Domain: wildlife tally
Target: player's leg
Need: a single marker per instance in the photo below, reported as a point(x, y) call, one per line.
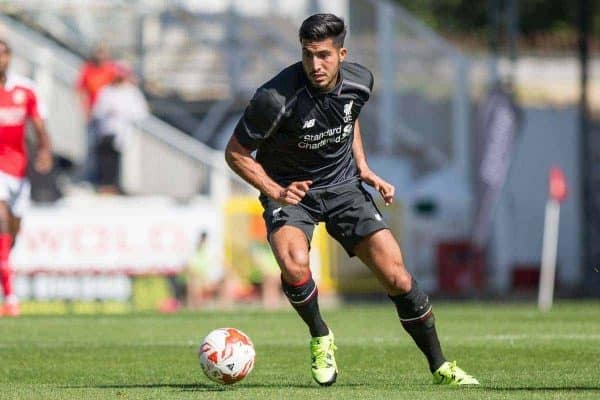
point(11, 303)
point(291, 249)
point(355, 222)
point(289, 231)
point(14, 200)
point(6, 278)
point(381, 253)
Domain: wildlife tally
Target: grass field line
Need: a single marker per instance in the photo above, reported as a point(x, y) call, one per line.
point(371, 341)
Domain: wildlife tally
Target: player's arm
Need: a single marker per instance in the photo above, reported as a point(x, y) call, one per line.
point(240, 160)
point(261, 120)
point(43, 160)
point(366, 175)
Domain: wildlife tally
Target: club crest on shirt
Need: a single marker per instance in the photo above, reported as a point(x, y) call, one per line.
point(348, 111)
point(18, 96)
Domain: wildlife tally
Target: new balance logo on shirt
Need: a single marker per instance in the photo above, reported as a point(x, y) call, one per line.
point(309, 124)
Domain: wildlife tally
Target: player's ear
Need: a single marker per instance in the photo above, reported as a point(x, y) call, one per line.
point(343, 53)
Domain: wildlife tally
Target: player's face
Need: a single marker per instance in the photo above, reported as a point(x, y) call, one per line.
point(4, 59)
point(321, 62)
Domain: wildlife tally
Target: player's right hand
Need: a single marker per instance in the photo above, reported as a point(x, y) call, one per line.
point(294, 193)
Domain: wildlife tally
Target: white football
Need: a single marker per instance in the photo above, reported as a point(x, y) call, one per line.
point(227, 355)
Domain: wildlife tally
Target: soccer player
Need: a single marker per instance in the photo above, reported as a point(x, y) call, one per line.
point(18, 103)
point(310, 167)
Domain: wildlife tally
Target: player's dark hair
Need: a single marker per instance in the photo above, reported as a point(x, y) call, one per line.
point(319, 27)
point(6, 45)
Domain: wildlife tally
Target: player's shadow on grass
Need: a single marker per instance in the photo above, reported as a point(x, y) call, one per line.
point(275, 386)
point(207, 387)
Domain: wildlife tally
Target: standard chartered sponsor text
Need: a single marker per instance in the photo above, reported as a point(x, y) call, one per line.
point(331, 135)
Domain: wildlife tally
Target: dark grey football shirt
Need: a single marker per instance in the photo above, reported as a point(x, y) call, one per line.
point(302, 134)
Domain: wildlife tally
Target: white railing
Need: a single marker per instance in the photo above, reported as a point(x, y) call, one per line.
point(160, 159)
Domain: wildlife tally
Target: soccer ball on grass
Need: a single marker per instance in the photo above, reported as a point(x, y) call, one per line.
point(226, 355)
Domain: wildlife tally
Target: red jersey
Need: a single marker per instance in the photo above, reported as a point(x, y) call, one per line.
point(94, 77)
point(18, 103)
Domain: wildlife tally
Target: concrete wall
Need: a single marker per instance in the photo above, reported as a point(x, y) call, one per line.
point(549, 137)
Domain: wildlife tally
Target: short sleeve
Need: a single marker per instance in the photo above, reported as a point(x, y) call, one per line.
point(261, 118)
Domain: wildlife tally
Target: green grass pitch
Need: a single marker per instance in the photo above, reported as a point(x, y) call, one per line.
point(514, 350)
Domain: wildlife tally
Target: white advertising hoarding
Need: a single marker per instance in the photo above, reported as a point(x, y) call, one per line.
point(114, 236)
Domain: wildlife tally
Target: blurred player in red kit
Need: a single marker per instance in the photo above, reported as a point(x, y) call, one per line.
point(18, 104)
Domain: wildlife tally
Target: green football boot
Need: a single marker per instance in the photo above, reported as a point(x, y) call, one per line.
point(450, 374)
point(324, 368)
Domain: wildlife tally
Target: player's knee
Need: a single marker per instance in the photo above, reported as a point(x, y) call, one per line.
point(295, 265)
point(400, 282)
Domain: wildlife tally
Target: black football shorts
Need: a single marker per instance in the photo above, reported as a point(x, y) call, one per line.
point(347, 209)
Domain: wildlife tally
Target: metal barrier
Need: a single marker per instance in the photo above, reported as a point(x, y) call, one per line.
point(160, 158)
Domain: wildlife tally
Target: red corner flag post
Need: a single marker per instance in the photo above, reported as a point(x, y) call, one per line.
point(557, 193)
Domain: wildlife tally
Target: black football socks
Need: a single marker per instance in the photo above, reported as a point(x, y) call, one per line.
point(417, 319)
point(304, 298)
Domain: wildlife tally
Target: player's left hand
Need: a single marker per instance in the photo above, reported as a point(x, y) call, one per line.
point(43, 161)
point(385, 189)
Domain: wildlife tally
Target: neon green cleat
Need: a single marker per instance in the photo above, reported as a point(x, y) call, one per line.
point(324, 368)
point(450, 374)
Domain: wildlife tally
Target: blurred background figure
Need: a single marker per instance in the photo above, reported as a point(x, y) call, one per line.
point(178, 286)
point(19, 104)
point(98, 71)
point(118, 106)
point(265, 274)
point(205, 276)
